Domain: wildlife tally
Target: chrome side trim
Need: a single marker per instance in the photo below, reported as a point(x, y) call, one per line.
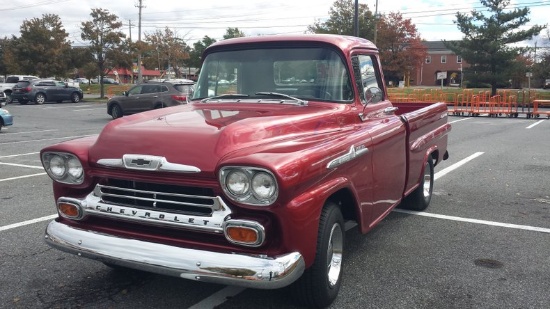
point(354, 152)
point(223, 268)
point(148, 163)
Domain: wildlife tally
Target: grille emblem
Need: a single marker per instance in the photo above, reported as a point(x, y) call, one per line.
point(142, 162)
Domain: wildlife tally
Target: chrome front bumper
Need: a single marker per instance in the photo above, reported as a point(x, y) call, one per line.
point(222, 268)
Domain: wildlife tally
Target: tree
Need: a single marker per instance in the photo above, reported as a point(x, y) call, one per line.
point(233, 33)
point(8, 63)
point(43, 47)
point(340, 20)
point(195, 59)
point(400, 46)
point(105, 39)
point(166, 50)
point(487, 40)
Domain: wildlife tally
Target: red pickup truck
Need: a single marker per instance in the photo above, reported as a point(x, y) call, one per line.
point(285, 139)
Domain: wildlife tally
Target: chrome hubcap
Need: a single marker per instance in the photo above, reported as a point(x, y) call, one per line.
point(334, 254)
point(427, 181)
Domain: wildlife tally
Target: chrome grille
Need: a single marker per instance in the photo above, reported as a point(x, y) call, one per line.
point(172, 198)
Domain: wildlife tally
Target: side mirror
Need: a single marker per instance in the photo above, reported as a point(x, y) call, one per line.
point(66, 85)
point(373, 95)
point(125, 93)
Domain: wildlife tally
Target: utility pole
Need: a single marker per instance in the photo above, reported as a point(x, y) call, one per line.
point(130, 28)
point(356, 19)
point(375, 21)
point(140, 77)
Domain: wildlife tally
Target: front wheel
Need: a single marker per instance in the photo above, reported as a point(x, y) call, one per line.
point(75, 97)
point(40, 98)
point(116, 111)
point(319, 285)
point(420, 198)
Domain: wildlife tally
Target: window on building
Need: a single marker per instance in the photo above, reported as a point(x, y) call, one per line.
point(428, 59)
point(458, 59)
point(444, 59)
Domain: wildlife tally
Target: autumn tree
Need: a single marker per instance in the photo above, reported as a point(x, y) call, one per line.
point(42, 48)
point(166, 50)
point(488, 38)
point(195, 59)
point(8, 62)
point(105, 39)
point(233, 33)
point(340, 21)
point(400, 46)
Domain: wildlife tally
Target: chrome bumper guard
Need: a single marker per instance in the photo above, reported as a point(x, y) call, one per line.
point(223, 268)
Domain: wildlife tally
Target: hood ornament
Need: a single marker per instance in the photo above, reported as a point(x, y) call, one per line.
point(148, 163)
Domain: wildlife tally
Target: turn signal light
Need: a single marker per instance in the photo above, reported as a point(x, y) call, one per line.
point(242, 234)
point(68, 210)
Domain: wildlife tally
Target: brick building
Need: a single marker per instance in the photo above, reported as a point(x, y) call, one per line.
point(440, 59)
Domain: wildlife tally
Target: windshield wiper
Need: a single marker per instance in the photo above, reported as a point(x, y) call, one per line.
point(225, 96)
point(286, 96)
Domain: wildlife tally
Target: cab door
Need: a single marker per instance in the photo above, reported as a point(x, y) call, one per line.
point(388, 137)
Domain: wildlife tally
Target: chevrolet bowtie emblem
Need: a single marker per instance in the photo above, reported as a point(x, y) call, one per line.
point(141, 162)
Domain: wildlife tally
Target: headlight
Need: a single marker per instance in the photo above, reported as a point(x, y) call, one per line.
point(249, 185)
point(63, 167)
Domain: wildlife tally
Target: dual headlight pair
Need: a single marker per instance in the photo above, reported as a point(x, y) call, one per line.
point(247, 185)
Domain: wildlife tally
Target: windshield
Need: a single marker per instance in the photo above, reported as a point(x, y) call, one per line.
point(304, 73)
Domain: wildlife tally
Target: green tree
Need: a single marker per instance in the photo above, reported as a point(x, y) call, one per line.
point(165, 50)
point(487, 40)
point(195, 58)
point(233, 33)
point(43, 47)
point(8, 63)
point(340, 20)
point(105, 40)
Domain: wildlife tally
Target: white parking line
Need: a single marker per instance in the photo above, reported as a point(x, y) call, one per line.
point(46, 139)
point(536, 123)
point(21, 177)
point(19, 155)
point(40, 131)
point(459, 120)
point(485, 222)
point(458, 164)
point(12, 226)
point(218, 298)
point(22, 165)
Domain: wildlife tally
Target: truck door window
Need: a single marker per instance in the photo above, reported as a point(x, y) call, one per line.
point(367, 72)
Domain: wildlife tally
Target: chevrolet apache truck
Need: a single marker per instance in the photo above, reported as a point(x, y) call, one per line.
point(285, 139)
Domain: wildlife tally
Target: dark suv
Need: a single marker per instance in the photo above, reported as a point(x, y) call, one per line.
point(40, 91)
point(149, 96)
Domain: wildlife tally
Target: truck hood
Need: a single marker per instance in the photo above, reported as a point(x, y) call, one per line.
point(200, 135)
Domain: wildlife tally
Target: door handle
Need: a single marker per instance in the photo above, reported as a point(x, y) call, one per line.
point(390, 110)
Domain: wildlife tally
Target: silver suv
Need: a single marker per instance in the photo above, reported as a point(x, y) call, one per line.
point(148, 96)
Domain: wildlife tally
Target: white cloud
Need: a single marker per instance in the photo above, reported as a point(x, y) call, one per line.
point(194, 19)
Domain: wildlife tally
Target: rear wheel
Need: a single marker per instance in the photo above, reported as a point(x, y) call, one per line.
point(40, 98)
point(420, 198)
point(319, 285)
point(8, 98)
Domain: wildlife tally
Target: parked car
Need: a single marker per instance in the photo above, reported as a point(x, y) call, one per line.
point(546, 84)
point(107, 80)
point(11, 80)
point(82, 80)
point(40, 91)
point(2, 98)
point(6, 119)
point(149, 96)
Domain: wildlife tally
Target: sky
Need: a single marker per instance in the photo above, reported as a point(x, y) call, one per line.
point(192, 20)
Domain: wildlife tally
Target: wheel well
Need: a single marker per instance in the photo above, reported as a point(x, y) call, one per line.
point(345, 200)
point(7, 92)
point(435, 157)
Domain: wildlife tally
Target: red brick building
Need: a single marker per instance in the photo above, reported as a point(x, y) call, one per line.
point(440, 59)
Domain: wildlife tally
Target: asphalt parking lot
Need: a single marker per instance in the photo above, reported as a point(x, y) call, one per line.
point(484, 242)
